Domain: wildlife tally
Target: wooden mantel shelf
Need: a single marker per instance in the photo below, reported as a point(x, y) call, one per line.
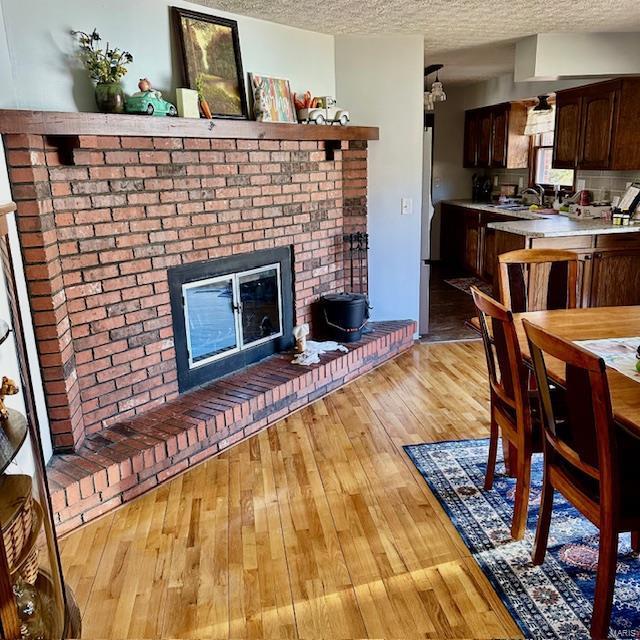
point(57, 123)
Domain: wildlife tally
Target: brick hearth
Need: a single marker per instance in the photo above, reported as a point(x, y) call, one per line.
point(131, 457)
point(102, 217)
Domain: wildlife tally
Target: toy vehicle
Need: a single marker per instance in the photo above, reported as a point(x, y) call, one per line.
point(151, 103)
point(326, 113)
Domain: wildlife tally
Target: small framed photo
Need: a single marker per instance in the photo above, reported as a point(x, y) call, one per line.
point(272, 99)
point(210, 50)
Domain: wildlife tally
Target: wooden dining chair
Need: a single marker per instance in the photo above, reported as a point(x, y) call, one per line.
point(588, 458)
point(538, 279)
point(510, 406)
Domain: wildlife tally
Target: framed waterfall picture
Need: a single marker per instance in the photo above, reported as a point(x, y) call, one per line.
point(211, 61)
point(272, 99)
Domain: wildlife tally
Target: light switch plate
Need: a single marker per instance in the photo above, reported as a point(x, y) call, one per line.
point(406, 206)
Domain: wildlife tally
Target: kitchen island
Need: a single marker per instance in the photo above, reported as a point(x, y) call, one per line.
point(608, 256)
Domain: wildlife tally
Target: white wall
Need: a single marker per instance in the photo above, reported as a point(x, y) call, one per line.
point(380, 80)
point(46, 75)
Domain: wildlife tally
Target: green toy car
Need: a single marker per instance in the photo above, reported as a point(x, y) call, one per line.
point(151, 103)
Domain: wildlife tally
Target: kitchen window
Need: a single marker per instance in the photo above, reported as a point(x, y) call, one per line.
point(542, 172)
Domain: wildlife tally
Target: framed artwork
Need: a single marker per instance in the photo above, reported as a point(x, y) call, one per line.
point(272, 99)
point(210, 51)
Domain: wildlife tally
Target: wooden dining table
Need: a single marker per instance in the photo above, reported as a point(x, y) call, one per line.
point(595, 323)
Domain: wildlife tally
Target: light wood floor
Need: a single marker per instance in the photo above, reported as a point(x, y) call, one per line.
point(318, 527)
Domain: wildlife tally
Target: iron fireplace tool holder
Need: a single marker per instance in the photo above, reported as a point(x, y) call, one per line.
point(358, 247)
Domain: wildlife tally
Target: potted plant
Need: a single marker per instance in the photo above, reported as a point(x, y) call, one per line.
point(107, 67)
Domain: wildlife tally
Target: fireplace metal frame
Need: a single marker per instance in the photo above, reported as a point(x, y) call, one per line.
point(189, 376)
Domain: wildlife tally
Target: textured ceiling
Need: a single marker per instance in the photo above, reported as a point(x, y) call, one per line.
point(462, 34)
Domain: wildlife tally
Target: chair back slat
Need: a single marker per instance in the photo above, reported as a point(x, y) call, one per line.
point(502, 357)
point(558, 286)
point(538, 279)
point(504, 360)
point(516, 295)
point(584, 435)
point(581, 432)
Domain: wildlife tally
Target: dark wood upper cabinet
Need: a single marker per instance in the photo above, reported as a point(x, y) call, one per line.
point(494, 137)
point(625, 152)
point(500, 135)
point(596, 129)
point(598, 126)
point(567, 129)
point(485, 121)
point(470, 138)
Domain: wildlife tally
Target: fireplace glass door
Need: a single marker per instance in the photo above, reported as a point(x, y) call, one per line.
point(259, 292)
point(210, 319)
point(226, 314)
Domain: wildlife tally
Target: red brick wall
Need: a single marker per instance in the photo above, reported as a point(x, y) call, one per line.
point(102, 219)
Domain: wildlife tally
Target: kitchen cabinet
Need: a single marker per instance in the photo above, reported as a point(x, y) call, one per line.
point(509, 145)
point(477, 138)
point(471, 258)
point(494, 137)
point(489, 248)
point(615, 278)
point(608, 264)
point(499, 135)
point(598, 126)
point(470, 139)
point(468, 245)
point(461, 238)
point(485, 122)
point(567, 129)
point(584, 278)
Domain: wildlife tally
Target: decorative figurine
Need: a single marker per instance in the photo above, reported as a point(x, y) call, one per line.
point(320, 110)
point(149, 101)
point(8, 388)
point(261, 104)
point(300, 334)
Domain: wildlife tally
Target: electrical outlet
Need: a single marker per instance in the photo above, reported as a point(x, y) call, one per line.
point(581, 185)
point(406, 206)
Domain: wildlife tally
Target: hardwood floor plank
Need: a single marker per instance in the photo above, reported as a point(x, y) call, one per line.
point(319, 526)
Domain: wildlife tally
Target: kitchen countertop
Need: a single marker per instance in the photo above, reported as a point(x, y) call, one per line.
point(481, 206)
point(534, 225)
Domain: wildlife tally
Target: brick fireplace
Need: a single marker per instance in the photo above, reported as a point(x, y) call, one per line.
point(104, 216)
point(101, 224)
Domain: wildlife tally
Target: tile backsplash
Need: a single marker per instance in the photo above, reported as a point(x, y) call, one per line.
point(604, 185)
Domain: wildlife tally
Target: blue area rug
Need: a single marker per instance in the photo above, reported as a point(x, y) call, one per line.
point(550, 601)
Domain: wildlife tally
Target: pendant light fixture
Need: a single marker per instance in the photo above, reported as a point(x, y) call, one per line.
point(543, 104)
point(436, 92)
point(541, 118)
